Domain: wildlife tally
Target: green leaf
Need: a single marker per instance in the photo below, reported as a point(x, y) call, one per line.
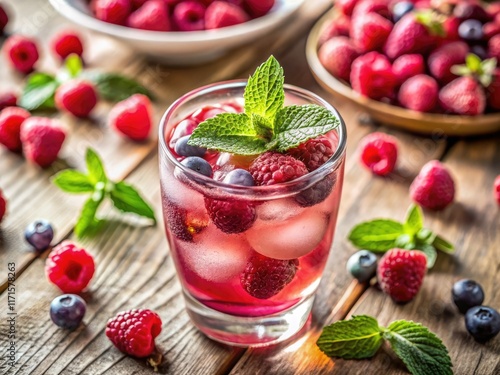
point(442, 245)
point(414, 220)
point(430, 252)
point(473, 62)
point(95, 167)
point(264, 94)
point(359, 337)
point(296, 124)
point(127, 199)
point(73, 67)
point(39, 92)
point(422, 351)
point(377, 235)
point(263, 128)
point(115, 87)
point(405, 241)
point(87, 219)
point(229, 132)
point(425, 235)
point(73, 181)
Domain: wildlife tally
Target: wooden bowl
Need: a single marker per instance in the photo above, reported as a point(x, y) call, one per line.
point(427, 123)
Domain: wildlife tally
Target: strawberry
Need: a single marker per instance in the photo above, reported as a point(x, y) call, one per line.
point(493, 91)
point(372, 76)
point(337, 55)
point(463, 96)
point(407, 66)
point(450, 26)
point(132, 117)
point(42, 139)
point(400, 273)
point(443, 58)
point(369, 32)
point(419, 93)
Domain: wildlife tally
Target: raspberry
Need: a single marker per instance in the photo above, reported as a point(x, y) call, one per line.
point(400, 273)
point(257, 8)
point(337, 55)
point(231, 216)
point(372, 76)
point(339, 26)
point(181, 223)
point(433, 188)
point(463, 96)
point(3, 206)
point(4, 19)
point(134, 331)
point(42, 139)
point(153, 15)
point(189, 16)
point(443, 58)
point(313, 153)
point(379, 153)
point(132, 117)
point(491, 29)
point(370, 31)
point(419, 93)
point(346, 6)
point(494, 47)
point(112, 11)
point(69, 267)
point(364, 7)
point(272, 168)
point(496, 190)
point(265, 277)
point(22, 53)
point(316, 193)
point(78, 97)
point(11, 119)
point(220, 14)
point(66, 43)
point(7, 99)
point(407, 66)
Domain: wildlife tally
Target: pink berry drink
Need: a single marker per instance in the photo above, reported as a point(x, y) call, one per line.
point(249, 257)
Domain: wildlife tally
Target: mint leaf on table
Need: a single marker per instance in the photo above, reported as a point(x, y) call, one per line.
point(430, 252)
point(116, 87)
point(442, 245)
point(414, 220)
point(73, 181)
point(72, 68)
point(87, 218)
point(127, 199)
point(378, 235)
point(39, 92)
point(95, 168)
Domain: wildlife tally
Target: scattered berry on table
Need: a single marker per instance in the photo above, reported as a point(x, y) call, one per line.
point(69, 267)
point(239, 176)
point(482, 322)
point(112, 11)
point(153, 16)
point(257, 8)
point(42, 139)
point(419, 93)
point(337, 55)
point(313, 153)
point(199, 165)
point(463, 96)
point(272, 168)
point(4, 19)
point(433, 188)
point(362, 265)
point(189, 16)
point(11, 119)
point(67, 311)
point(407, 66)
point(39, 234)
point(133, 332)
point(21, 52)
point(466, 294)
point(7, 99)
point(3, 206)
point(220, 14)
point(471, 30)
point(67, 42)
point(132, 117)
point(77, 97)
point(400, 273)
point(372, 76)
point(400, 9)
point(443, 58)
point(379, 153)
point(183, 149)
point(369, 32)
point(265, 277)
point(496, 189)
point(231, 215)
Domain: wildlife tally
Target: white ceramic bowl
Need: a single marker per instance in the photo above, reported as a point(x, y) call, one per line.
point(180, 48)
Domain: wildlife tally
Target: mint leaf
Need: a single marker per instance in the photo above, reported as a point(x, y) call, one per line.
point(264, 94)
point(296, 124)
point(405, 241)
point(262, 126)
point(39, 92)
point(430, 252)
point(425, 235)
point(115, 87)
point(73, 181)
point(72, 68)
point(376, 235)
point(127, 199)
point(87, 218)
point(359, 337)
point(95, 167)
point(441, 244)
point(414, 220)
point(229, 132)
point(422, 351)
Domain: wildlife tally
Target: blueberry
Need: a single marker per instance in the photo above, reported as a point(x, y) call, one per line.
point(199, 165)
point(466, 294)
point(479, 51)
point(362, 265)
point(182, 148)
point(239, 177)
point(67, 311)
point(39, 234)
point(400, 9)
point(471, 30)
point(482, 322)
point(316, 193)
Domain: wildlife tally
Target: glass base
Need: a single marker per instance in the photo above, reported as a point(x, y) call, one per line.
point(248, 331)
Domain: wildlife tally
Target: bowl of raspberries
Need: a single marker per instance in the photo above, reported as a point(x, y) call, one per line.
point(180, 32)
point(428, 66)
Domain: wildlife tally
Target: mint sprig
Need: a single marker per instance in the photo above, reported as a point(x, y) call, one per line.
point(381, 235)
point(265, 124)
point(124, 196)
point(421, 350)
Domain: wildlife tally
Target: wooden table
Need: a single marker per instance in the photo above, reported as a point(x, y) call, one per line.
point(134, 268)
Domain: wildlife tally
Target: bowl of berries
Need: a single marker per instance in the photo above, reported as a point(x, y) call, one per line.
point(424, 66)
point(180, 32)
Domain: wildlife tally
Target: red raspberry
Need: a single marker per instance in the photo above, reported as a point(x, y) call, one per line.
point(11, 119)
point(433, 187)
point(463, 96)
point(231, 216)
point(272, 168)
point(136, 4)
point(42, 139)
point(7, 99)
point(494, 47)
point(491, 29)
point(496, 191)
point(494, 91)
point(407, 66)
point(220, 14)
point(134, 331)
point(400, 273)
point(363, 7)
point(4, 19)
point(189, 16)
point(3, 206)
point(372, 76)
point(258, 8)
point(338, 26)
point(22, 53)
point(69, 267)
point(265, 277)
point(419, 93)
point(132, 117)
point(443, 58)
point(78, 97)
point(153, 15)
point(346, 6)
point(182, 223)
point(337, 55)
point(66, 43)
point(450, 26)
point(313, 153)
point(370, 31)
point(379, 153)
point(112, 11)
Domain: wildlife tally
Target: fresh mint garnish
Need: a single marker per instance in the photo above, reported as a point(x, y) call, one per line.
point(124, 196)
point(266, 124)
point(421, 350)
point(39, 91)
point(381, 235)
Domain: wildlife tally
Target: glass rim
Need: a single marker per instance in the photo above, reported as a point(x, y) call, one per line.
point(310, 178)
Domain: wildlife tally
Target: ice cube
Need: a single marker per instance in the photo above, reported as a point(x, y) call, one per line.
point(180, 193)
point(278, 210)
